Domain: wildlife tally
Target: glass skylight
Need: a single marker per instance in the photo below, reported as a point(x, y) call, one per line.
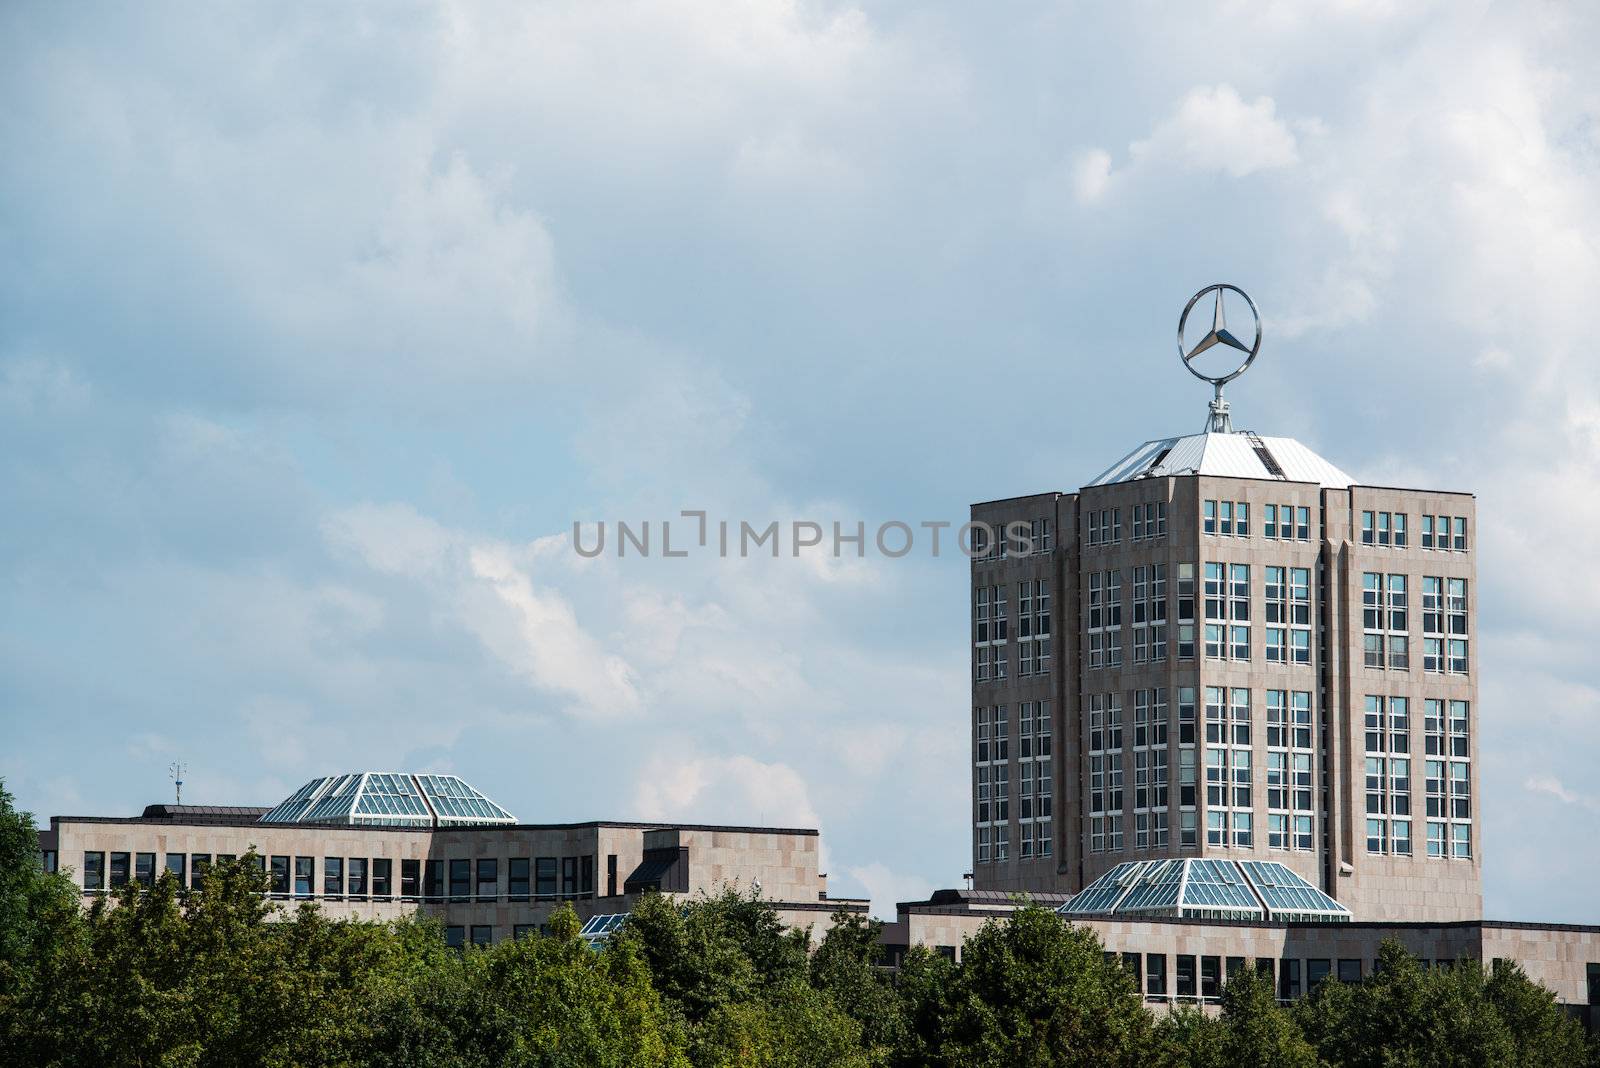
point(599, 928)
point(384, 798)
point(1205, 889)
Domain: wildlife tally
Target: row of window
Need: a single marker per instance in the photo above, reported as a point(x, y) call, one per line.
point(1009, 543)
point(1386, 623)
point(1231, 519)
point(482, 934)
point(527, 878)
point(993, 732)
point(991, 630)
point(1202, 977)
point(1103, 526)
point(1438, 532)
point(1035, 800)
point(1035, 839)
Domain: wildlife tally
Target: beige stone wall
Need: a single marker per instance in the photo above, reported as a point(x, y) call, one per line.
point(1374, 887)
point(784, 862)
point(785, 865)
point(1380, 887)
point(1556, 956)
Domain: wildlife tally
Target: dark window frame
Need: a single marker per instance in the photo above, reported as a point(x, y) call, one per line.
point(1155, 972)
point(94, 870)
point(519, 878)
point(1186, 976)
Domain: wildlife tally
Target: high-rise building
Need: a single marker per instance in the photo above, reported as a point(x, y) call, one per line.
point(1224, 646)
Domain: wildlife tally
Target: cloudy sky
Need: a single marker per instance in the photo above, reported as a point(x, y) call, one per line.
point(320, 325)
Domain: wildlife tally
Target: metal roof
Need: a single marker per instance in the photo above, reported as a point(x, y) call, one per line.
point(386, 798)
point(1205, 889)
point(1238, 455)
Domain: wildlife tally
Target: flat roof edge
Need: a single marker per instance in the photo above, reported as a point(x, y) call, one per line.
point(808, 832)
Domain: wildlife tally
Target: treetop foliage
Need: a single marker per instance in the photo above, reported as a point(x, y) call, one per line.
point(223, 976)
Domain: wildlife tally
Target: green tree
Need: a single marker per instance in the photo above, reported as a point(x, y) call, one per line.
point(1544, 1035)
point(42, 929)
point(1257, 1033)
point(845, 967)
point(793, 1026)
point(1033, 990)
point(550, 1001)
point(1188, 1038)
point(924, 985)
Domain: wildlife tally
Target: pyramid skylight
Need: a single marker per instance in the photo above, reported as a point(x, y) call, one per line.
point(1194, 888)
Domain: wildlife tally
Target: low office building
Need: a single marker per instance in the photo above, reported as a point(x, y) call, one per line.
point(1186, 959)
point(381, 845)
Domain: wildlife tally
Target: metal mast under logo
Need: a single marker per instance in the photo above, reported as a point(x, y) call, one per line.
point(1219, 421)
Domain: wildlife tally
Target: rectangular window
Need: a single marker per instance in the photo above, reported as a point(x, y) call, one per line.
point(482, 934)
point(280, 875)
point(544, 870)
point(1288, 980)
point(382, 877)
point(460, 879)
point(488, 878)
point(304, 871)
point(199, 864)
point(333, 876)
point(1427, 532)
point(1210, 977)
point(410, 887)
point(433, 880)
point(1155, 975)
point(518, 873)
point(1316, 972)
point(357, 882)
point(94, 870)
point(569, 876)
point(119, 870)
point(1367, 527)
point(1350, 971)
point(455, 937)
point(1186, 975)
point(144, 869)
point(1459, 544)
point(178, 865)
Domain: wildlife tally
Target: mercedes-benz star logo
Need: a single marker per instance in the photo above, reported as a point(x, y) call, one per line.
point(1219, 334)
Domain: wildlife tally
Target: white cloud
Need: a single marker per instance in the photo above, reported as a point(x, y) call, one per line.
point(1549, 784)
point(737, 789)
point(886, 888)
point(1215, 129)
point(35, 385)
point(1092, 174)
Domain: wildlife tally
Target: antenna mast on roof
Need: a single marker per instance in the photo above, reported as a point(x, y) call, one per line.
point(176, 770)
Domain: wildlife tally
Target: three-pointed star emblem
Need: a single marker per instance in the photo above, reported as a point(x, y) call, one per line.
point(1219, 334)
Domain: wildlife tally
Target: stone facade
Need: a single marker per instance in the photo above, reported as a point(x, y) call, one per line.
point(588, 865)
point(1564, 958)
point(1085, 841)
